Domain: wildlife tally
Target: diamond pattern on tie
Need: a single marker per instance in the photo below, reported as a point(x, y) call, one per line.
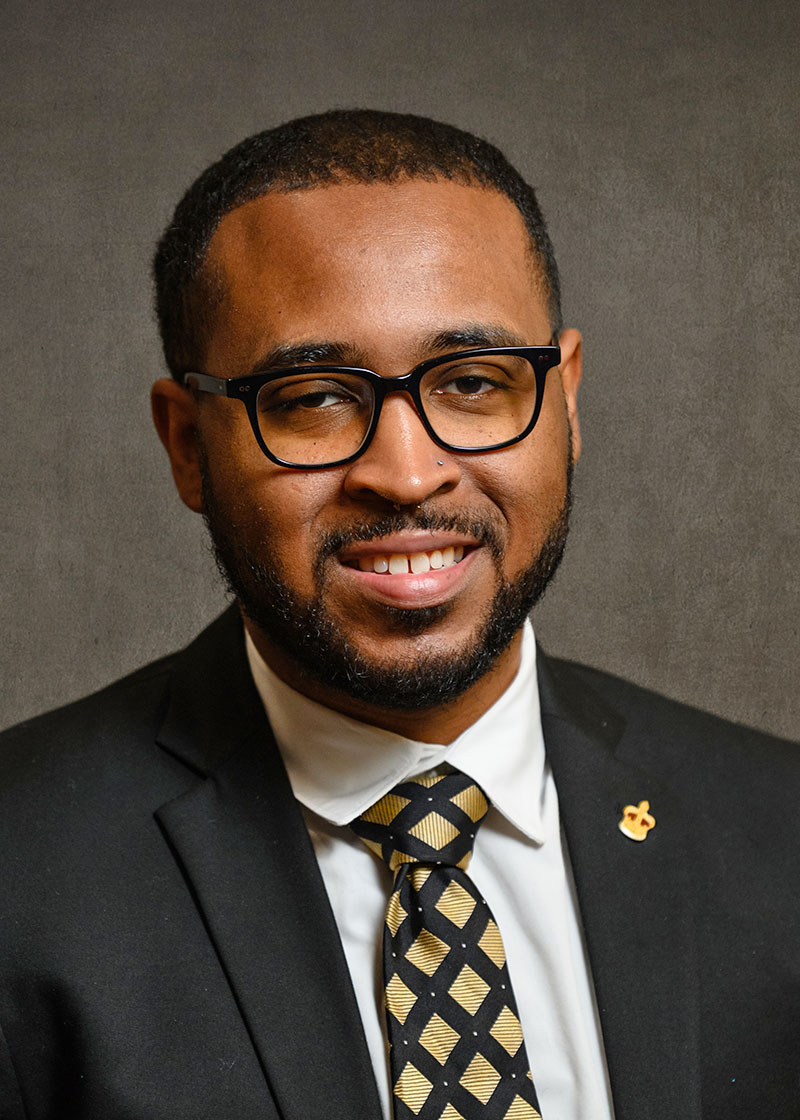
point(480, 1078)
point(427, 952)
point(456, 1046)
point(507, 1031)
point(456, 904)
point(413, 1087)
point(521, 1110)
point(399, 998)
point(395, 914)
point(469, 990)
point(385, 810)
point(466, 800)
point(492, 944)
point(439, 1039)
point(435, 831)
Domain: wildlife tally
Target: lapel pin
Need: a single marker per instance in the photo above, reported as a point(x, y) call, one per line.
point(637, 821)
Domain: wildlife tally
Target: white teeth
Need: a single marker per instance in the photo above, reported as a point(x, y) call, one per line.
point(400, 563)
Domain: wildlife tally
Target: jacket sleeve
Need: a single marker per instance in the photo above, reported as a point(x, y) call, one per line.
point(11, 1106)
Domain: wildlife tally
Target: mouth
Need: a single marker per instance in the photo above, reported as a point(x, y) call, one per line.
point(411, 569)
point(403, 563)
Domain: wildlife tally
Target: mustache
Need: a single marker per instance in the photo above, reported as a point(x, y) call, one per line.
point(465, 522)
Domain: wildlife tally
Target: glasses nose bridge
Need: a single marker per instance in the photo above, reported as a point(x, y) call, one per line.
point(405, 383)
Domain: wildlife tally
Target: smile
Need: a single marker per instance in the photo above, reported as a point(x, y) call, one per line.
point(412, 570)
point(417, 563)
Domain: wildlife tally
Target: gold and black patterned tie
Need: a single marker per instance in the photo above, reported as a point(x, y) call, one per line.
point(457, 1051)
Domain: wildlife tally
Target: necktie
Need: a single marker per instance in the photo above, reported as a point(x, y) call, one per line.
point(456, 1046)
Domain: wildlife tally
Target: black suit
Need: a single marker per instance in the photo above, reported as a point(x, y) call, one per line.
point(167, 950)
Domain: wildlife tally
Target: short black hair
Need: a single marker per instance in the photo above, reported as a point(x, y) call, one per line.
point(343, 145)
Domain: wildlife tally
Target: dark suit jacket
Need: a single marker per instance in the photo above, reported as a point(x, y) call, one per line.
point(167, 951)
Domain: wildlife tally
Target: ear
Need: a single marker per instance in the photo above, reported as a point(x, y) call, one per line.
point(175, 417)
point(571, 365)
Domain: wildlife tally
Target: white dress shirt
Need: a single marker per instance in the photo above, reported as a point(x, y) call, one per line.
point(339, 766)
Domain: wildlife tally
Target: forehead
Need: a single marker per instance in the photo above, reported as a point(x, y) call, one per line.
point(350, 258)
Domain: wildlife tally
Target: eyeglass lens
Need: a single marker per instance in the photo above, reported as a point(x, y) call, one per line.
point(315, 418)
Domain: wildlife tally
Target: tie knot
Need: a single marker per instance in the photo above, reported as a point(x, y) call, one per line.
point(428, 819)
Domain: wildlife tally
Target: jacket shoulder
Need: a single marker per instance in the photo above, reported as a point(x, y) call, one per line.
point(688, 747)
point(111, 741)
point(128, 709)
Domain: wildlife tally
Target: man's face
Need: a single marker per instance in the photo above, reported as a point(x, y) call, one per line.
point(383, 276)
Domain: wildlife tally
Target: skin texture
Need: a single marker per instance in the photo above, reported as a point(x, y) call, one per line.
point(379, 271)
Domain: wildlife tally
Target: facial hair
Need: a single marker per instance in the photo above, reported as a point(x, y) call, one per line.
point(305, 632)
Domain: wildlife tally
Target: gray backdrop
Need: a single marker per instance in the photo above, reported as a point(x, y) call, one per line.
point(663, 140)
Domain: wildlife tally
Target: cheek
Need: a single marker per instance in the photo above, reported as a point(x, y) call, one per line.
point(296, 502)
point(274, 515)
point(528, 484)
point(281, 512)
point(549, 451)
point(261, 500)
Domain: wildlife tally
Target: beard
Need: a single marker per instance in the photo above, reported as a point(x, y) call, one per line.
point(304, 630)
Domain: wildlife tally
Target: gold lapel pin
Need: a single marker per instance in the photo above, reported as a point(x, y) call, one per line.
point(637, 820)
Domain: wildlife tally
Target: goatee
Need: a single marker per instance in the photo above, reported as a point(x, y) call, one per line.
point(304, 631)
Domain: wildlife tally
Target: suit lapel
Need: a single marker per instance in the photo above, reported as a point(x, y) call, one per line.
point(634, 900)
point(240, 838)
point(241, 841)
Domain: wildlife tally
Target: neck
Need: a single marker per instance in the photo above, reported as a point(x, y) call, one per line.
point(438, 724)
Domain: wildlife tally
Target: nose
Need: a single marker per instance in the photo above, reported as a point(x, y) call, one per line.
point(402, 465)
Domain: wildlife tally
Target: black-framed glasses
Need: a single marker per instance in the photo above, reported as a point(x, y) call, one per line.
point(316, 416)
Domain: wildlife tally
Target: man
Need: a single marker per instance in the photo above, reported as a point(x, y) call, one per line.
point(373, 405)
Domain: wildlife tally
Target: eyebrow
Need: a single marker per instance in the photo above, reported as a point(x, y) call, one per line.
point(472, 335)
point(327, 352)
point(317, 351)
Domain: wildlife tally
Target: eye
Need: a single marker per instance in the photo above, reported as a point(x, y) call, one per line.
point(470, 379)
point(318, 399)
point(469, 385)
point(307, 394)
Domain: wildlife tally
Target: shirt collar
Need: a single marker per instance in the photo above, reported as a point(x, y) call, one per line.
point(339, 766)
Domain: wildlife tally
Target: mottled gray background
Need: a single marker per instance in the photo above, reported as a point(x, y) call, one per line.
point(664, 142)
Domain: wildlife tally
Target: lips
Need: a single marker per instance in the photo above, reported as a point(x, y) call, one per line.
point(410, 569)
point(418, 563)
